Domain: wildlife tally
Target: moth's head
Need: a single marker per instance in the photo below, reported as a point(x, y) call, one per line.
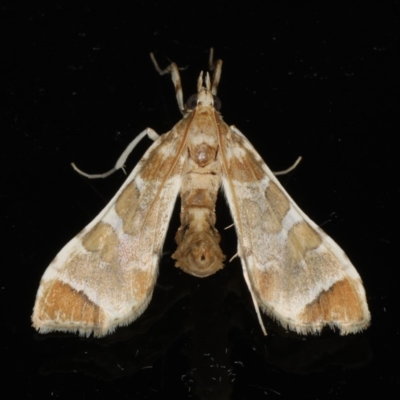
point(204, 96)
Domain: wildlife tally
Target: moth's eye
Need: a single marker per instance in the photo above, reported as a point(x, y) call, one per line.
point(217, 103)
point(191, 102)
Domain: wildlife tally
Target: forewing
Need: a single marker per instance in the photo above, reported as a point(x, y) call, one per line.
point(299, 275)
point(104, 277)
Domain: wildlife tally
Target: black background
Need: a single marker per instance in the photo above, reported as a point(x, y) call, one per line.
point(78, 84)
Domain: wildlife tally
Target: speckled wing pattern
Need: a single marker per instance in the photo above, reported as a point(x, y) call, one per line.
point(104, 277)
point(299, 275)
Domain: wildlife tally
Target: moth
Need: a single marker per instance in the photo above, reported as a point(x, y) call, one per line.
point(105, 276)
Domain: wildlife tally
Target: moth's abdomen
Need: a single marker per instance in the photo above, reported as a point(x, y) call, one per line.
point(198, 250)
point(198, 240)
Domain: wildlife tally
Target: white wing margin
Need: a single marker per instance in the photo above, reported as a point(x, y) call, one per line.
point(299, 275)
point(104, 277)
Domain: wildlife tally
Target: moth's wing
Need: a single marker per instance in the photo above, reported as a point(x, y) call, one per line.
point(299, 275)
point(104, 277)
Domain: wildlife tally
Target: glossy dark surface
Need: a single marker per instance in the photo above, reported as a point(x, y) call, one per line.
point(79, 85)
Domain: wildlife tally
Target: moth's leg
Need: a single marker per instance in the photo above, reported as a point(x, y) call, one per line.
point(291, 168)
point(253, 296)
point(152, 134)
point(176, 80)
point(215, 66)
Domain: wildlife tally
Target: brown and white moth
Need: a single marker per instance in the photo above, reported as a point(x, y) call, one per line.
point(104, 277)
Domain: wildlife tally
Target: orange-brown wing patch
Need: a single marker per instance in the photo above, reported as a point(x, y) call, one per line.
point(104, 277)
point(298, 274)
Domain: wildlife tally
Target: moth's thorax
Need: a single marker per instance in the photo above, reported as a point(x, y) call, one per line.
point(202, 141)
point(198, 240)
